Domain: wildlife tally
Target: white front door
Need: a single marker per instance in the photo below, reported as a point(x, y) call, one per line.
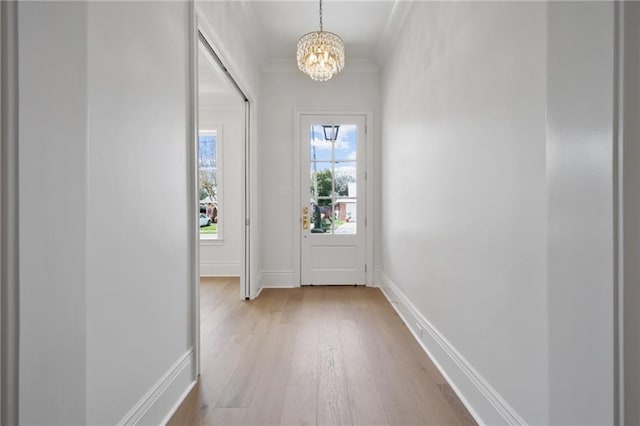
point(332, 199)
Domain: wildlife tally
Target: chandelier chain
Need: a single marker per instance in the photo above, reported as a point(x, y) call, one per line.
point(320, 15)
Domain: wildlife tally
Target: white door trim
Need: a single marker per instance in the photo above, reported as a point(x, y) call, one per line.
point(9, 214)
point(201, 25)
point(297, 171)
point(192, 198)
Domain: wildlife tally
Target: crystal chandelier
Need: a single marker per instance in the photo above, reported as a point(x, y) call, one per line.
point(320, 53)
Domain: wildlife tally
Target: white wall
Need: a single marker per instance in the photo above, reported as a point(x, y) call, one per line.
point(138, 286)
point(222, 257)
point(53, 211)
point(631, 230)
point(463, 184)
point(104, 142)
point(580, 180)
point(286, 90)
point(101, 277)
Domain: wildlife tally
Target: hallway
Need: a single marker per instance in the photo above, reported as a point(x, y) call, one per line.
point(312, 355)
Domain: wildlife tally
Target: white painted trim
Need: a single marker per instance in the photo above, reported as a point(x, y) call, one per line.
point(278, 279)
point(618, 212)
point(258, 292)
point(192, 195)
point(219, 47)
point(200, 23)
point(371, 174)
point(296, 244)
point(245, 233)
point(249, 262)
point(140, 412)
point(211, 242)
point(279, 286)
point(220, 269)
point(377, 278)
point(9, 216)
point(224, 105)
point(484, 403)
point(179, 402)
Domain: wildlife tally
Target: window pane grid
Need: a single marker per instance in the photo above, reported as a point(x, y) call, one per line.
point(208, 182)
point(333, 175)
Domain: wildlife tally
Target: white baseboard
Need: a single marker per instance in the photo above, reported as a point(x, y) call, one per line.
point(219, 269)
point(159, 403)
point(377, 278)
point(280, 286)
point(277, 279)
point(483, 402)
point(179, 402)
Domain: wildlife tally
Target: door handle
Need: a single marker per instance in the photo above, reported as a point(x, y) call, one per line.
point(305, 218)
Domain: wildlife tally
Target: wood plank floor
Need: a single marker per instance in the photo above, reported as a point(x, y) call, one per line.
point(312, 356)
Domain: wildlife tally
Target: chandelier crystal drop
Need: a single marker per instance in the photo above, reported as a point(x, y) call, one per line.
point(320, 53)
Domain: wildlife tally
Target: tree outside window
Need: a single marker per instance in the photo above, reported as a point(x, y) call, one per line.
point(208, 183)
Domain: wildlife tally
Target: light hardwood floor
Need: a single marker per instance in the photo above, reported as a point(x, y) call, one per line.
point(312, 356)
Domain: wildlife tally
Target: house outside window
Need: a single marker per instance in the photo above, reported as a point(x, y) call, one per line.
point(209, 184)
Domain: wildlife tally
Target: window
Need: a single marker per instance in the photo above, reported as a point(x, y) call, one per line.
point(209, 184)
point(332, 183)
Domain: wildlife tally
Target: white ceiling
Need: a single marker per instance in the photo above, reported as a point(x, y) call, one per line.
point(361, 24)
point(273, 29)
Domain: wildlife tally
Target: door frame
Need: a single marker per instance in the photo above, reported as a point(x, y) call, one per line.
point(200, 26)
point(9, 217)
point(369, 200)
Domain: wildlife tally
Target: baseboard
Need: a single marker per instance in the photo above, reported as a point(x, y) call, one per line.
point(179, 402)
point(258, 293)
point(277, 279)
point(378, 278)
point(219, 269)
point(484, 403)
point(159, 403)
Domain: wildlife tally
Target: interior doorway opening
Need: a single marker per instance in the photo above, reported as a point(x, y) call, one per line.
point(221, 148)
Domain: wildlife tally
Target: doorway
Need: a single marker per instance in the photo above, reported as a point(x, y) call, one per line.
point(221, 137)
point(333, 199)
point(221, 183)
